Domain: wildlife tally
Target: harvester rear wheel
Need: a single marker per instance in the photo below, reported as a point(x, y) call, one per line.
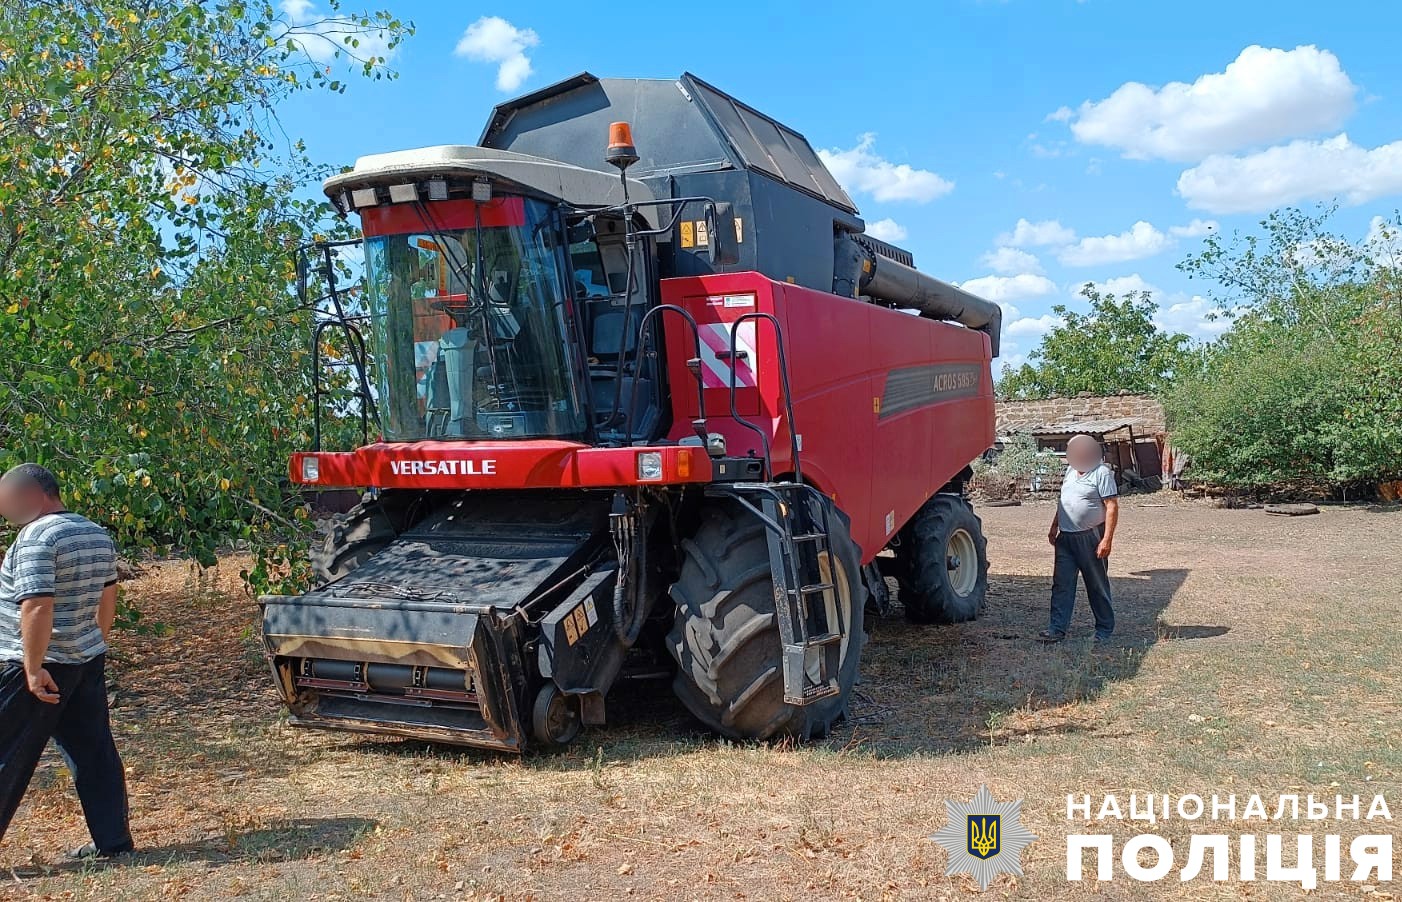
point(725, 638)
point(350, 542)
point(942, 563)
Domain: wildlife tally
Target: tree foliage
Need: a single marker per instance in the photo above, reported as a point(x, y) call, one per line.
point(1306, 387)
point(154, 354)
point(1113, 347)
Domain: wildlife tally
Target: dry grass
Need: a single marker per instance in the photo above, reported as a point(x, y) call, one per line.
point(1255, 655)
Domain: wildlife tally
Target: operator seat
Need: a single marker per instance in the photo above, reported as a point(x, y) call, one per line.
point(437, 397)
point(457, 350)
point(606, 330)
point(607, 325)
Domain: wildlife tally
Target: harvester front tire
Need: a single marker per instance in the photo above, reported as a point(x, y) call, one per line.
point(943, 563)
point(351, 541)
point(725, 638)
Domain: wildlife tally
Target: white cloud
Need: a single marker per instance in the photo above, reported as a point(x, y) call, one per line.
point(1195, 229)
point(1047, 233)
point(860, 169)
point(1063, 114)
point(1009, 288)
point(1123, 285)
point(1033, 327)
point(492, 39)
point(1326, 252)
point(1008, 359)
point(1294, 172)
point(1265, 95)
point(321, 36)
point(1196, 317)
point(886, 230)
point(1049, 150)
point(1010, 261)
point(1142, 240)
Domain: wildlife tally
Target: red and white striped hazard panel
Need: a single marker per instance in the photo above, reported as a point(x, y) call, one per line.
point(715, 345)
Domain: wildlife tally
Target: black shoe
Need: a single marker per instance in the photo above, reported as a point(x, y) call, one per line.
point(91, 852)
point(1049, 637)
point(1102, 640)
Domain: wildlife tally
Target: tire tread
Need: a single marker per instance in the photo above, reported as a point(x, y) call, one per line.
point(725, 610)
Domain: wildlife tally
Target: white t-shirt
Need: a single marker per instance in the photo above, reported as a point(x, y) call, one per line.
point(71, 558)
point(1083, 498)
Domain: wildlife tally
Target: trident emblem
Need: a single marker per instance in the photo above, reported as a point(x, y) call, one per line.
point(983, 835)
point(986, 844)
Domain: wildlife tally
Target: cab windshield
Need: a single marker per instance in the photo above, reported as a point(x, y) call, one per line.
point(470, 321)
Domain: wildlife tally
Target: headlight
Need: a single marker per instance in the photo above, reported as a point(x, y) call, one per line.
point(650, 465)
point(311, 469)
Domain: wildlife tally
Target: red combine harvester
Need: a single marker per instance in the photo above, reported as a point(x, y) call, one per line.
point(646, 412)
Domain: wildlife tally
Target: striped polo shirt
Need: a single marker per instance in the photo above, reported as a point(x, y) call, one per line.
point(70, 558)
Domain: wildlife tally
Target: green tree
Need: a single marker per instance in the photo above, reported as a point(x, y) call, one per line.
point(154, 354)
point(1306, 387)
point(1115, 346)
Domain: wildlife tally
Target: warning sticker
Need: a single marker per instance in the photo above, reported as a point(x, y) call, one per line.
point(581, 623)
point(702, 237)
point(591, 615)
point(571, 633)
point(688, 233)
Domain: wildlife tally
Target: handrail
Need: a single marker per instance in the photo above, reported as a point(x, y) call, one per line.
point(783, 386)
point(694, 364)
point(357, 344)
point(357, 348)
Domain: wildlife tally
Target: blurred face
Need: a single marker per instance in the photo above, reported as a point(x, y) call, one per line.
point(20, 503)
point(1083, 452)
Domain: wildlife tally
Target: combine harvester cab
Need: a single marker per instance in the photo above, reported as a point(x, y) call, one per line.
point(651, 410)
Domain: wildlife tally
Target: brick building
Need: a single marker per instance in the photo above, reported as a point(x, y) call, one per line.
point(1131, 427)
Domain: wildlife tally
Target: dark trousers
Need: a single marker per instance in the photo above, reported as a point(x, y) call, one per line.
point(79, 726)
point(1075, 556)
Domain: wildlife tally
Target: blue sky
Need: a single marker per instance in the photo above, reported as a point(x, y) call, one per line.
point(1020, 148)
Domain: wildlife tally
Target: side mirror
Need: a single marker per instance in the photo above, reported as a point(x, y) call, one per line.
point(722, 246)
point(299, 258)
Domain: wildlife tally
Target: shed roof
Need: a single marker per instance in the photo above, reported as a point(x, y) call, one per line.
point(1087, 427)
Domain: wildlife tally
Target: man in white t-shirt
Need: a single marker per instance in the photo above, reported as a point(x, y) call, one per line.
point(58, 598)
point(1083, 533)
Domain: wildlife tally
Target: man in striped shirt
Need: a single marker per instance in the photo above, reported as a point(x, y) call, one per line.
point(58, 597)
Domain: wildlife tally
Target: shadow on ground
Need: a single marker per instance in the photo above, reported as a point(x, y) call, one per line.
point(278, 841)
point(924, 689)
point(948, 689)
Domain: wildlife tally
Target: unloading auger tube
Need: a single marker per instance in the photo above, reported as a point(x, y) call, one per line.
point(871, 270)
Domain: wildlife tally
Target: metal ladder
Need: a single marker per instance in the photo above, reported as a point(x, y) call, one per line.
point(796, 519)
point(798, 529)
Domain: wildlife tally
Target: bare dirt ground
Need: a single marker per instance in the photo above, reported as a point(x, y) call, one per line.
point(1254, 655)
